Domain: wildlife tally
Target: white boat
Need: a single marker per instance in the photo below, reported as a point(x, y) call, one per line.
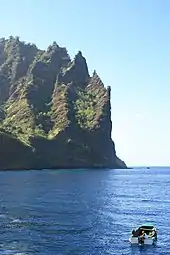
point(145, 234)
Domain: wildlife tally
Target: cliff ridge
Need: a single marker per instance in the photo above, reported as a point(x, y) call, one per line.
point(53, 114)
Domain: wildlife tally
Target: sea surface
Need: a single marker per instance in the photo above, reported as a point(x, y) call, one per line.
point(72, 212)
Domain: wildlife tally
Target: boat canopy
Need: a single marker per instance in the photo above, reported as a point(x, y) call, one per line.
point(147, 227)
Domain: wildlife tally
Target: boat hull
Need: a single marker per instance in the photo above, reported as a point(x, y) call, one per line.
point(147, 241)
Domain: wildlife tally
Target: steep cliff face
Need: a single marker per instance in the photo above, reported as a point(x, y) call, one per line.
point(52, 113)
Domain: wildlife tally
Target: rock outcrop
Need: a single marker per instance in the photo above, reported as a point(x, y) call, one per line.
point(52, 113)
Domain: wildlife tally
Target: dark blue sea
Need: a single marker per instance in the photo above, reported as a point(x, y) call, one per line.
point(83, 212)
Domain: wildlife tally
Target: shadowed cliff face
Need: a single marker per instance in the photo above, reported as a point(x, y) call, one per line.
point(52, 113)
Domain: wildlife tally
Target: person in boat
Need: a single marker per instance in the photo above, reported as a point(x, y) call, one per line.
point(136, 233)
point(142, 237)
point(144, 234)
point(153, 233)
point(133, 232)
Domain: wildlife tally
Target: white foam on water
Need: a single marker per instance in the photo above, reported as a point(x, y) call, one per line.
point(20, 253)
point(16, 221)
point(8, 252)
point(3, 216)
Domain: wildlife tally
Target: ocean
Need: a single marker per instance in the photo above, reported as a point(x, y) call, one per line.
point(83, 212)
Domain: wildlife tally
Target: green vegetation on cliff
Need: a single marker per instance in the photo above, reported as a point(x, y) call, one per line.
point(52, 113)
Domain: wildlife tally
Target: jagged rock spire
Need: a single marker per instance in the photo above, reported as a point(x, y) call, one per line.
point(109, 92)
point(77, 72)
point(95, 79)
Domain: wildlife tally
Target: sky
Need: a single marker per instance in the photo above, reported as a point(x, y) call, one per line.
point(128, 43)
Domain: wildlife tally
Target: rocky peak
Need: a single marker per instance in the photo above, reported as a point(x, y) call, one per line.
point(54, 46)
point(109, 92)
point(76, 72)
point(54, 51)
point(43, 75)
point(95, 80)
point(15, 59)
point(80, 65)
point(79, 59)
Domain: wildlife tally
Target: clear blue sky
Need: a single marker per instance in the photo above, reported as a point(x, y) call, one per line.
point(128, 43)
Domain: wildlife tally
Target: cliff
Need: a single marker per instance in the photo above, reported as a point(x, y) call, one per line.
point(53, 114)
